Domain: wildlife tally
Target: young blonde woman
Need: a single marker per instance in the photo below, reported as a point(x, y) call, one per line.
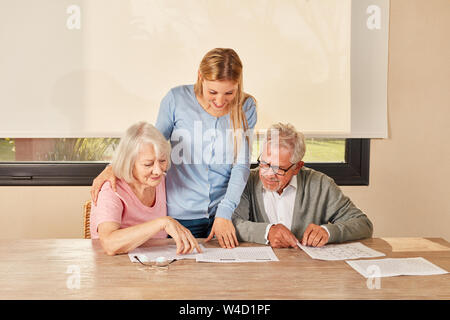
point(208, 125)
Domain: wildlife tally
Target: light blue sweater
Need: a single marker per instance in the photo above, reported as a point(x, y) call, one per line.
point(202, 180)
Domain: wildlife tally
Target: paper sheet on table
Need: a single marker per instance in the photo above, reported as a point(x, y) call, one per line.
point(239, 254)
point(149, 254)
point(414, 244)
point(395, 267)
point(344, 251)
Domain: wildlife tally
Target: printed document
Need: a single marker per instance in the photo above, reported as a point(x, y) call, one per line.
point(344, 251)
point(395, 267)
point(239, 254)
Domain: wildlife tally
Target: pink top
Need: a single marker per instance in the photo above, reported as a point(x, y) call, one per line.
point(125, 208)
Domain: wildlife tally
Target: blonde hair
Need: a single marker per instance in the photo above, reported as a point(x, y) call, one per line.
point(224, 64)
point(139, 134)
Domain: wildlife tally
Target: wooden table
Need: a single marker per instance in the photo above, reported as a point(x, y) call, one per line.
point(46, 269)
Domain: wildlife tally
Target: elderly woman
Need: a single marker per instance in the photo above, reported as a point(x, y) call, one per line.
point(125, 219)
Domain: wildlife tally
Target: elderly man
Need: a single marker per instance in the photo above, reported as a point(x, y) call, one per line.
point(285, 203)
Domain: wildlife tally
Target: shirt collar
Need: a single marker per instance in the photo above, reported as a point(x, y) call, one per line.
point(292, 183)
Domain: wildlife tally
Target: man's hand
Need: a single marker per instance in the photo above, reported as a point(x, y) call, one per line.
point(281, 237)
point(315, 236)
point(225, 233)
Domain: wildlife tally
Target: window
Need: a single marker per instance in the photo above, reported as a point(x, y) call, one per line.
point(76, 162)
point(355, 169)
point(345, 160)
point(317, 150)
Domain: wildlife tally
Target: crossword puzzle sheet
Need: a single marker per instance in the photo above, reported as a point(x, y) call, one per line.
point(345, 251)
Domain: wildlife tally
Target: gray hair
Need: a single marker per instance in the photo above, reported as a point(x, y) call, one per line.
point(137, 135)
point(285, 135)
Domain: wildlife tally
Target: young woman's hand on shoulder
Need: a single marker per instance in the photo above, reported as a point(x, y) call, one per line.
point(106, 175)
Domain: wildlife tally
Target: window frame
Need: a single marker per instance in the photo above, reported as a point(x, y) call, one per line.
point(353, 172)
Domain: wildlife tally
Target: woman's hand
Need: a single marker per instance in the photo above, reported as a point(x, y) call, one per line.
point(106, 175)
point(225, 233)
point(184, 239)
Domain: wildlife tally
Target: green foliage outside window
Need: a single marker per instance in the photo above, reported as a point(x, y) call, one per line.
point(102, 149)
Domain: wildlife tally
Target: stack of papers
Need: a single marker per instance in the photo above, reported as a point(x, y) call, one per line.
point(239, 254)
point(395, 267)
point(345, 251)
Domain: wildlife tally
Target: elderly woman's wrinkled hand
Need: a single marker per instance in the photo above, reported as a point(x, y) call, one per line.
point(106, 175)
point(185, 241)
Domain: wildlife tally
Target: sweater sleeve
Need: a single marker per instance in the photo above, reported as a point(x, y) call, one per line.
point(247, 229)
point(166, 114)
point(240, 170)
point(345, 221)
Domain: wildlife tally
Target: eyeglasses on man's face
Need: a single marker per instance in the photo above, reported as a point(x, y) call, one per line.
point(275, 169)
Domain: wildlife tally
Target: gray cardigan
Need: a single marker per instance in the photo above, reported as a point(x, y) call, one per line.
point(318, 200)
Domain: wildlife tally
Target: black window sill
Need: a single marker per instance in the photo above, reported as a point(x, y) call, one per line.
point(355, 170)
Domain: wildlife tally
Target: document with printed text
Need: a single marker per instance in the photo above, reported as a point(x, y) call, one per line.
point(391, 267)
point(344, 251)
point(239, 254)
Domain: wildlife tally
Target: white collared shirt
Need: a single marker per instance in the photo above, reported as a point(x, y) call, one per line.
point(280, 207)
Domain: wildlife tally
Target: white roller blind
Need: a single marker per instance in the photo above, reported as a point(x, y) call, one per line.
point(369, 68)
point(92, 68)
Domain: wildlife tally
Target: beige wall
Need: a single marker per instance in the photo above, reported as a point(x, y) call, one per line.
point(409, 193)
point(409, 172)
point(42, 212)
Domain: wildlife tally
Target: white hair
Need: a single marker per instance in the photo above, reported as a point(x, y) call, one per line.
point(285, 135)
point(135, 137)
